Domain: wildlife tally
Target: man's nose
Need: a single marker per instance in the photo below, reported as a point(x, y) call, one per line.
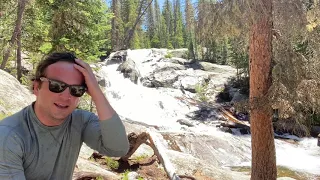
point(66, 94)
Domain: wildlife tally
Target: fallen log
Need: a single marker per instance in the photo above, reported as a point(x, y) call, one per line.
point(230, 117)
point(149, 138)
point(135, 141)
point(162, 156)
point(86, 169)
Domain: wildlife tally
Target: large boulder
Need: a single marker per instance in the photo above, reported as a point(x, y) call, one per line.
point(13, 95)
point(129, 70)
point(179, 53)
point(117, 57)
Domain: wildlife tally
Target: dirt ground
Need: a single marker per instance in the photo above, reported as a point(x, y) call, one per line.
point(148, 168)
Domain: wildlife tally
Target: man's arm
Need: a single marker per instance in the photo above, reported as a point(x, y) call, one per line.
point(104, 109)
point(11, 153)
point(108, 135)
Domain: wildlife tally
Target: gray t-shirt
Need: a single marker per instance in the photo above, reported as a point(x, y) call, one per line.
point(33, 151)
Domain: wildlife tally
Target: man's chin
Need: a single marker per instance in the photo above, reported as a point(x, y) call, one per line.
point(60, 117)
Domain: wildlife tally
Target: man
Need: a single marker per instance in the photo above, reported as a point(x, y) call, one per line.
point(43, 140)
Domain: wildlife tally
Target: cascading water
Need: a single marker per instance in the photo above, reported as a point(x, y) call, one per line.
point(161, 107)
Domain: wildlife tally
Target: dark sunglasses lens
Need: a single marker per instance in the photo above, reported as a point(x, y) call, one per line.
point(56, 86)
point(77, 91)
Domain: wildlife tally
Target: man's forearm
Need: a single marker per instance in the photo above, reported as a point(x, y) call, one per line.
point(104, 109)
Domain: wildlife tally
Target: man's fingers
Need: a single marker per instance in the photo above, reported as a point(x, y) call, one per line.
point(80, 68)
point(82, 63)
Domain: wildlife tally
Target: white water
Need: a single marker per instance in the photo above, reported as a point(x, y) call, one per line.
point(160, 107)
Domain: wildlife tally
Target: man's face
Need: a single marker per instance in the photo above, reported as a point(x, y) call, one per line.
point(55, 107)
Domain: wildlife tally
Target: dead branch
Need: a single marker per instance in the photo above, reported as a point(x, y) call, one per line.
point(230, 117)
point(135, 141)
point(151, 140)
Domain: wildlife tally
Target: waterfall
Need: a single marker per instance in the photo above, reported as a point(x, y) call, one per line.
point(161, 107)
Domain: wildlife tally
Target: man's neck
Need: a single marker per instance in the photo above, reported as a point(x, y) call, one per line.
point(45, 119)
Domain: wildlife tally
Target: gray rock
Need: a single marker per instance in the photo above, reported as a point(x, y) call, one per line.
point(13, 95)
point(168, 66)
point(179, 53)
point(181, 61)
point(84, 165)
point(238, 97)
point(185, 122)
point(129, 71)
point(132, 175)
point(117, 57)
point(85, 151)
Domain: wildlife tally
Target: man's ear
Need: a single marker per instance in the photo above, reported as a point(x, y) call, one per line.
point(36, 87)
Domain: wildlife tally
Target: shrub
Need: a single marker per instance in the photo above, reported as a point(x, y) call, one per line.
point(141, 157)
point(113, 164)
point(201, 90)
point(169, 55)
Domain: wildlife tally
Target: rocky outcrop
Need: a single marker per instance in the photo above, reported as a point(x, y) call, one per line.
point(13, 95)
point(129, 71)
point(158, 71)
point(179, 53)
point(117, 57)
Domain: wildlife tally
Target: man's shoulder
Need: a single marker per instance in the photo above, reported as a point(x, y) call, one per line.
point(83, 115)
point(12, 123)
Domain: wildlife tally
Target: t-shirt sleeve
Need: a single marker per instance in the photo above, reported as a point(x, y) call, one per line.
point(107, 136)
point(11, 156)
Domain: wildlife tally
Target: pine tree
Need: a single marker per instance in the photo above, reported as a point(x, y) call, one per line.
point(117, 26)
point(14, 37)
point(156, 40)
point(177, 39)
point(79, 27)
point(150, 23)
point(263, 148)
point(168, 21)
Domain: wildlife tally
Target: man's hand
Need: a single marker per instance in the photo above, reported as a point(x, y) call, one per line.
point(104, 109)
point(90, 79)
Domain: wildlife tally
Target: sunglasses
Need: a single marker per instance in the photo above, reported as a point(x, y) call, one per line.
point(58, 87)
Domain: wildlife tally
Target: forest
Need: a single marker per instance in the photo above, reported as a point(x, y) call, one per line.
point(213, 31)
point(225, 32)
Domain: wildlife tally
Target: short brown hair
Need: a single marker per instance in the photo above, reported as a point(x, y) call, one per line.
point(51, 59)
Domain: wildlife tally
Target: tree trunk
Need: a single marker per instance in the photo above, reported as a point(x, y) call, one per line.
point(19, 58)
point(130, 32)
point(17, 30)
point(115, 37)
point(263, 148)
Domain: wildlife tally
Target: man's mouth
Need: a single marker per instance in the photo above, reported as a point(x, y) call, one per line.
point(61, 106)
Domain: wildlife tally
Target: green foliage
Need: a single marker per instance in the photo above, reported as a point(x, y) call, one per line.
point(99, 178)
point(155, 42)
point(168, 55)
point(178, 28)
point(239, 57)
point(141, 157)
point(86, 103)
point(214, 51)
point(303, 48)
point(83, 32)
point(201, 90)
point(126, 175)
point(25, 80)
point(45, 48)
point(113, 164)
point(314, 119)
